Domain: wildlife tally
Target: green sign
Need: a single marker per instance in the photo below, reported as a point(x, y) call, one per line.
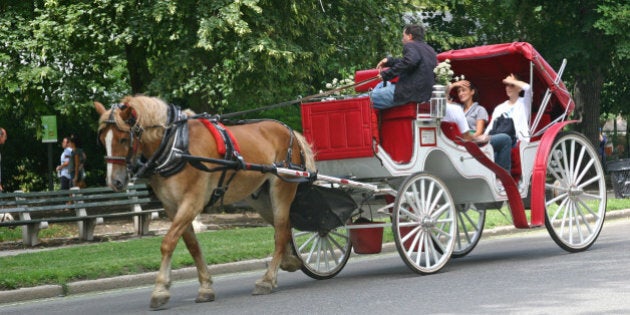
point(49, 124)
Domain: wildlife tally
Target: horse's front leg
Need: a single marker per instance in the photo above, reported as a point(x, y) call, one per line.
point(161, 294)
point(205, 293)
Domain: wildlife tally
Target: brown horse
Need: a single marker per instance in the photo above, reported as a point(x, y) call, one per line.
point(139, 129)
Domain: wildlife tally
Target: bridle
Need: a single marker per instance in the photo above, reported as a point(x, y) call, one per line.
point(135, 134)
point(158, 162)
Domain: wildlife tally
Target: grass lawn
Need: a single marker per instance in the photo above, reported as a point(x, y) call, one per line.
point(98, 260)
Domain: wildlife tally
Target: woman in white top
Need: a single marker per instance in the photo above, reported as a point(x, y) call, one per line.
point(510, 120)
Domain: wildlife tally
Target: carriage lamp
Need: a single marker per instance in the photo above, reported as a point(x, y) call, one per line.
point(438, 102)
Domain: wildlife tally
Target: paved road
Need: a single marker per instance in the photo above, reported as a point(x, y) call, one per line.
point(525, 273)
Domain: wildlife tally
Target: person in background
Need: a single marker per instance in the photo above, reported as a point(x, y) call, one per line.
point(476, 115)
point(77, 160)
point(602, 146)
point(414, 71)
point(63, 168)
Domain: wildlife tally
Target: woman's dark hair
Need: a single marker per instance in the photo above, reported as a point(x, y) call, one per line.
point(472, 87)
point(75, 139)
point(415, 30)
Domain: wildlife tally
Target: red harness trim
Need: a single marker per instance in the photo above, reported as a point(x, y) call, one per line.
point(218, 137)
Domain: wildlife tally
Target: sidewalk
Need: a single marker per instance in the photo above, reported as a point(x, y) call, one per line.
point(86, 286)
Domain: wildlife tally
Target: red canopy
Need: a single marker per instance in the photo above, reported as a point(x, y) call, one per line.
point(486, 66)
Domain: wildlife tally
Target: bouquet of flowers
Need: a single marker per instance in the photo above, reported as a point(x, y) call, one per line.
point(444, 74)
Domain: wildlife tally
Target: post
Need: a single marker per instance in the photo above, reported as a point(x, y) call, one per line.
point(50, 167)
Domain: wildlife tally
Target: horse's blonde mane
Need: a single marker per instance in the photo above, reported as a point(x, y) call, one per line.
point(150, 112)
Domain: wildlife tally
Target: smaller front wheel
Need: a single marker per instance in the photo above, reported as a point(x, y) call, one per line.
point(424, 223)
point(323, 255)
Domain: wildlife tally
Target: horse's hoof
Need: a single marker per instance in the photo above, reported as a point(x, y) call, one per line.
point(206, 295)
point(291, 264)
point(159, 299)
point(262, 288)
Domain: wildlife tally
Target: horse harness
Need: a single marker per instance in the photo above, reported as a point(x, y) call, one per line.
point(172, 154)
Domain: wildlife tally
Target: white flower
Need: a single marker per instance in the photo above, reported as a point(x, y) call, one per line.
point(443, 73)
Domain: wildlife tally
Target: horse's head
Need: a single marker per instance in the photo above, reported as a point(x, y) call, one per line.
point(116, 134)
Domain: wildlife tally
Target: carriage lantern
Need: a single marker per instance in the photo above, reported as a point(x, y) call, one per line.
point(438, 102)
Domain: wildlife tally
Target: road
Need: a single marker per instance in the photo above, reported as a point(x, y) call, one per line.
point(526, 273)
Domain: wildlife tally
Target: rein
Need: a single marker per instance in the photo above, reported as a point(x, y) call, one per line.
point(300, 99)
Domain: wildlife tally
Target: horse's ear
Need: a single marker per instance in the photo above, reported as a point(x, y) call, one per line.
point(100, 109)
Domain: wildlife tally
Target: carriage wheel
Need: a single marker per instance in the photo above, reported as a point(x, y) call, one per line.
point(575, 193)
point(424, 223)
point(323, 255)
point(470, 221)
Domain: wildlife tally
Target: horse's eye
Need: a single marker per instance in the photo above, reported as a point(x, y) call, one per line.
point(123, 141)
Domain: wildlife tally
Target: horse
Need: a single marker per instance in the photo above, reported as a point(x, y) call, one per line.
point(145, 136)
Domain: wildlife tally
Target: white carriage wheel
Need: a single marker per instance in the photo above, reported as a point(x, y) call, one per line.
point(470, 221)
point(424, 223)
point(323, 255)
point(575, 193)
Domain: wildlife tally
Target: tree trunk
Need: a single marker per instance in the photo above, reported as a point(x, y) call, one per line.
point(588, 103)
point(138, 68)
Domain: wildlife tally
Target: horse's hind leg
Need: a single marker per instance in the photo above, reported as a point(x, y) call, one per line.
point(290, 262)
point(281, 197)
point(205, 293)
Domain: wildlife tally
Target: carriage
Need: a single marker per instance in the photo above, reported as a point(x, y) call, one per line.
point(405, 163)
point(434, 189)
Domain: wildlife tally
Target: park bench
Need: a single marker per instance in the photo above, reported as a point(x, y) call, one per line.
point(88, 207)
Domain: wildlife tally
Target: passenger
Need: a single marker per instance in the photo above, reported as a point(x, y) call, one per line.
point(476, 115)
point(455, 113)
point(414, 71)
point(510, 121)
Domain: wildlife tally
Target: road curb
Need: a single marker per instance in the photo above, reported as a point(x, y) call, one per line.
point(87, 286)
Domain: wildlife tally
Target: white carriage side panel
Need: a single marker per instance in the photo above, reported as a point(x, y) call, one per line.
point(357, 168)
point(466, 178)
point(528, 153)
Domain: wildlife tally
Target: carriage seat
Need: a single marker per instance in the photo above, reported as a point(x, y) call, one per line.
point(396, 130)
point(517, 170)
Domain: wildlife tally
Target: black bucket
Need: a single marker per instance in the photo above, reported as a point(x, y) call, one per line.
point(320, 209)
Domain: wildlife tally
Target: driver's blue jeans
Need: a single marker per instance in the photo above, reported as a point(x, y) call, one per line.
point(383, 97)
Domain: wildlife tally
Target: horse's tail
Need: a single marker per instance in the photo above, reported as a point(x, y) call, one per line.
point(307, 152)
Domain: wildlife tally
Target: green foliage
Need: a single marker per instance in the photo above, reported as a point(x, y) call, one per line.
point(226, 56)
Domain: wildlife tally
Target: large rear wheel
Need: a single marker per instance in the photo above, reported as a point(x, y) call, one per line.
point(424, 223)
point(323, 254)
point(470, 221)
point(575, 193)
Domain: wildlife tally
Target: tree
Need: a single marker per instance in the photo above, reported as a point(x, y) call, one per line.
point(558, 29)
point(213, 56)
